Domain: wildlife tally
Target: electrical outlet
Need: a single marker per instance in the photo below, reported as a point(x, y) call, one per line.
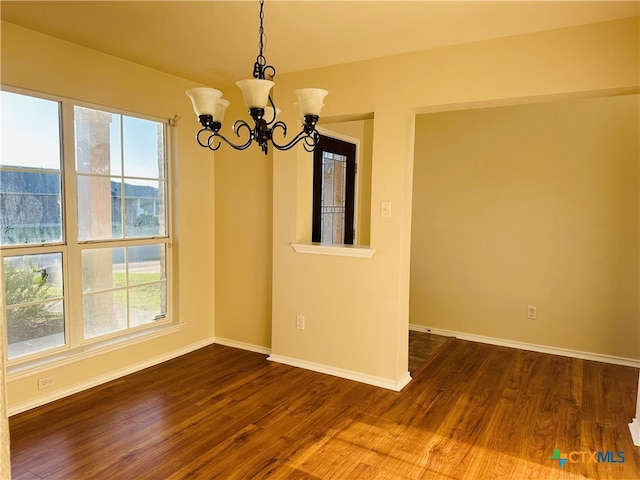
point(300, 322)
point(46, 382)
point(385, 209)
point(532, 312)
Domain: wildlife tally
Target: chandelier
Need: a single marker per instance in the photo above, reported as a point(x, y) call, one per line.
point(210, 107)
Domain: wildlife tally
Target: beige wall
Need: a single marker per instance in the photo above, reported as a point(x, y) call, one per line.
point(530, 205)
point(45, 64)
point(243, 236)
point(358, 310)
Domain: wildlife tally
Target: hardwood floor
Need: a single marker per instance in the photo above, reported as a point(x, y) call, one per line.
point(421, 346)
point(473, 411)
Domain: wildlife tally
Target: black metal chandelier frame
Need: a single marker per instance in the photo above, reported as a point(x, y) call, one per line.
point(262, 131)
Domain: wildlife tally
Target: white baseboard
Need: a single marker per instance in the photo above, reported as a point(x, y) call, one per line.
point(242, 345)
point(634, 427)
point(342, 373)
point(565, 352)
point(94, 382)
point(316, 367)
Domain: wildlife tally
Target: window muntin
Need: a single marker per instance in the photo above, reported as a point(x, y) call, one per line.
point(30, 171)
point(120, 180)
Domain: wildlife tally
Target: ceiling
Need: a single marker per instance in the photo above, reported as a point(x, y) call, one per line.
point(216, 42)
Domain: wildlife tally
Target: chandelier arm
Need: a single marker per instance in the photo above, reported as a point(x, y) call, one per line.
point(275, 114)
point(211, 139)
point(237, 126)
point(311, 140)
point(308, 138)
point(243, 146)
point(206, 144)
point(211, 143)
point(279, 124)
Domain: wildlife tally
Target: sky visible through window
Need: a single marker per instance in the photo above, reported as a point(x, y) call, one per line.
point(140, 138)
point(30, 132)
point(31, 138)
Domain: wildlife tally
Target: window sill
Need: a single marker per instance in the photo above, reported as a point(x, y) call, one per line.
point(55, 360)
point(336, 250)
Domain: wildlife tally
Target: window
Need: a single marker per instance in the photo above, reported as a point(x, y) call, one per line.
point(83, 230)
point(334, 173)
point(31, 174)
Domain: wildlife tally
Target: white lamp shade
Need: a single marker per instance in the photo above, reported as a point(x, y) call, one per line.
point(310, 100)
point(255, 92)
point(300, 114)
point(204, 99)
point(221, 106)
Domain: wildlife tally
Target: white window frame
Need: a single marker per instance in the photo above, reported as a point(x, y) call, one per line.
point(75, 344)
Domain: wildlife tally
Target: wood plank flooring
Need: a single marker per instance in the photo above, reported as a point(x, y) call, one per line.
point(421, 346)
point(472, 411)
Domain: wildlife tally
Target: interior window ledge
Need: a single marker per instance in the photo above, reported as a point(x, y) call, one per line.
point(357, 251)
point(48, 362)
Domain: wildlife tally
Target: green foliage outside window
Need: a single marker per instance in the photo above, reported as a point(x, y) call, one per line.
point(26, 289)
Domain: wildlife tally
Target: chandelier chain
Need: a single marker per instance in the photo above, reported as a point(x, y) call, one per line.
point(261, 43)
point(261, 66)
